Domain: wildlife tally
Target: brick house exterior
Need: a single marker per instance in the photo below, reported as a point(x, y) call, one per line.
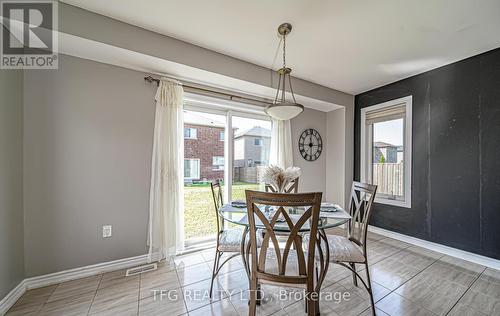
point(205, 147)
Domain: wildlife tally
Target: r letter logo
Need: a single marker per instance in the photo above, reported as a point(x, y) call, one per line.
point(29, 35)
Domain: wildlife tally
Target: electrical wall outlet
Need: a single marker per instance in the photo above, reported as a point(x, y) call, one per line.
point(106, 231)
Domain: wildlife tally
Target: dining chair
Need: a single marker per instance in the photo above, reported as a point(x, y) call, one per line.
point(228, 239)
point(267, 210)
point(351, 250)
point(293, 187)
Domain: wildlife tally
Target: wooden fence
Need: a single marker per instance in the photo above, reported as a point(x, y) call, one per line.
point(248, 174)
point(389, 177)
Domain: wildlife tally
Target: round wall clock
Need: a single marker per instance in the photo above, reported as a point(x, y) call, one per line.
point(310, 144)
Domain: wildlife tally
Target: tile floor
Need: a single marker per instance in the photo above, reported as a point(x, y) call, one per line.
point(407, 280)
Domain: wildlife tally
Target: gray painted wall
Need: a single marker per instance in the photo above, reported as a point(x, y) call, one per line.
point(313, 178)
point(88, 139)
point(11, 185)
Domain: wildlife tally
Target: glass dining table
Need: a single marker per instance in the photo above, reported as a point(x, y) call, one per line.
point(329, 217)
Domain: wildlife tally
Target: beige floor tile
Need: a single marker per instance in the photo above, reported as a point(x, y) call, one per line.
point(464, 310)
point(170, 305)
point(396, 305)
point(34, 297)
point(463, 265)
point(124, 309)
point(378, 290)
point(75, 288)
point(152, 282)
point(208, 255)
point(234, 264)
point(374, 236)
point(488, 284)
point(343, 302)
point(197, 295)
point(368, 312)
point(435, 294)
point(377, 251)
point(391, 273)
point(117, 297)
point(69, 306)
point(223, 307)
point(116, 277)
point(452, 272)
point(335, 274)
point(194, 273)
point(415, 257)
point(394, 243)
point(480, 302)
point(275, 299)
point(234, 282)
point(25, 310)
point(188, 260)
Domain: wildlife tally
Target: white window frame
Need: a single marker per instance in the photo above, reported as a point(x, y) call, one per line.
point(190, 137)
point(215, 165)
point(199, 168)
point(366, 155)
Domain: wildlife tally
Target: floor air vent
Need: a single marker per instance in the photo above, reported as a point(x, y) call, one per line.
point(141, 269)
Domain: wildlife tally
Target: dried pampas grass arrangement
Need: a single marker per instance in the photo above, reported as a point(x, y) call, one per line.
point(280, 178)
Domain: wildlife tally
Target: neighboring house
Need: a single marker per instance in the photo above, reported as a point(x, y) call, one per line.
point(251, 147)
point(388, 151)
point(203, 148)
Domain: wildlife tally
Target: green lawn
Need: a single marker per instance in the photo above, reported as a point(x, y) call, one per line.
point(199, 212)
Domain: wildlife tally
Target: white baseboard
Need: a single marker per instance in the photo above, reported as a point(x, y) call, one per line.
point(469, 256)
point(12, 297)
point(67, 275)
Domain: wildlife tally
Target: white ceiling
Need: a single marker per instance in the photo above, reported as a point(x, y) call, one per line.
point(351, 46)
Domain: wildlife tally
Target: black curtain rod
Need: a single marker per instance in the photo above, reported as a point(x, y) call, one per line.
point(233, 97)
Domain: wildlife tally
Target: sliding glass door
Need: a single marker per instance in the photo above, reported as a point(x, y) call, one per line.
point(204, 162)
point(251, 146)
point(223, 145)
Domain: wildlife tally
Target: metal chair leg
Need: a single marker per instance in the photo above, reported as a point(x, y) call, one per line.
point(214, 271)
point(354, 277)
point(370, 290)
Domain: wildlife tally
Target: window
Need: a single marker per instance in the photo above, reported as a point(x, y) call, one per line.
point(191, 169)
point(251, 144)
point(386, 150)
point(190, 133)
point(218, 162)
point(221, 136)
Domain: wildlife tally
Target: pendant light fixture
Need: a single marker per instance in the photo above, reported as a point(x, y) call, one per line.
point(281, 109)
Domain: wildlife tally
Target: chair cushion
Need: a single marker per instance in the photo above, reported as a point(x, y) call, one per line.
point(230, 240)
point(344, 250)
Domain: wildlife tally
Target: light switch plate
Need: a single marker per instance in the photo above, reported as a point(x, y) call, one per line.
point(106, 231)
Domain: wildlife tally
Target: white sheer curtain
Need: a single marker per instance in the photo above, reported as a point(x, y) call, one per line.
point(166, 201)
point(281, 144)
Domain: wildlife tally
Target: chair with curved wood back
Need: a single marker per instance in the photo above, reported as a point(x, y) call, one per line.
point(351, 250)
point(293, 187)
point(281, 271)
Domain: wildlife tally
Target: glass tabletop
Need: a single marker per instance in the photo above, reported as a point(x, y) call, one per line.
point(328, 218)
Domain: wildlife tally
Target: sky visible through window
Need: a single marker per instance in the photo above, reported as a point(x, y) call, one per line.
point(241, 123)
point(389, 132)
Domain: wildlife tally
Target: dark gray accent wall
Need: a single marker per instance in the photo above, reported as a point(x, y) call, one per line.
point(456, 155)
point(11, 180)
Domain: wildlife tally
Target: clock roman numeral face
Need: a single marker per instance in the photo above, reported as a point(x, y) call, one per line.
point(310, 144)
